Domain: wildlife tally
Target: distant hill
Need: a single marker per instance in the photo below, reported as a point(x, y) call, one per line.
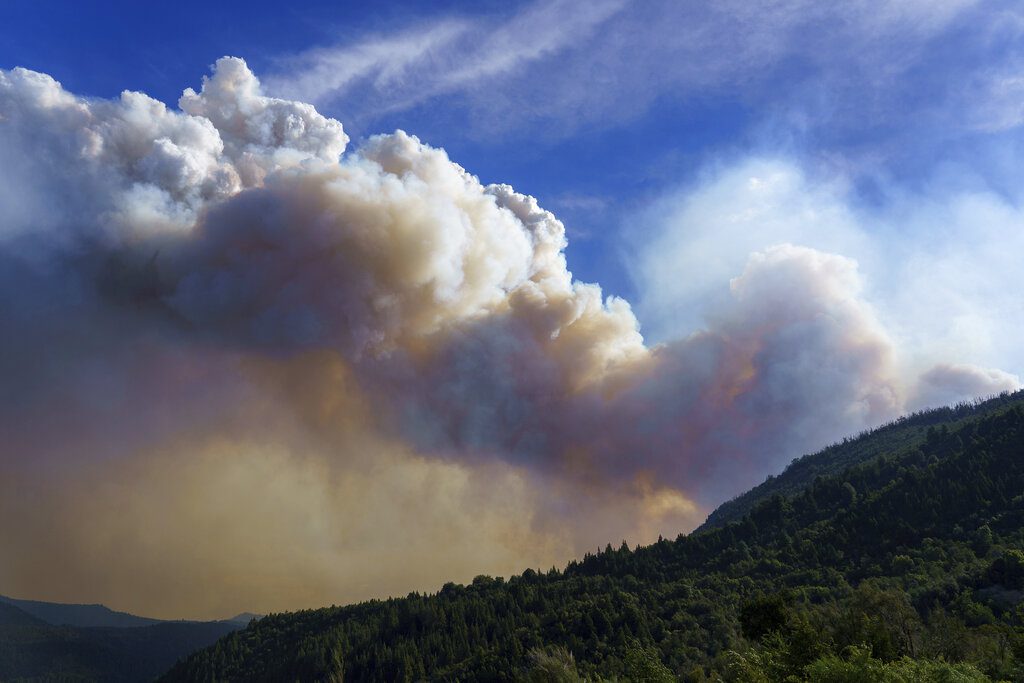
point(907, 432)
point(87, 616)
point(900, 558)
point(12, 616)
point(244, 618)
point(36, 644)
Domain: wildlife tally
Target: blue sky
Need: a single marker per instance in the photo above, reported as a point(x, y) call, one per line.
point(161, 49)
point(883, 98)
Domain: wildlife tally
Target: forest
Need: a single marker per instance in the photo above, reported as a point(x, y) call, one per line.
point(900, 559)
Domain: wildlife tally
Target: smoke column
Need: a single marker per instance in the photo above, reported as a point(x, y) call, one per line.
point(248, 368)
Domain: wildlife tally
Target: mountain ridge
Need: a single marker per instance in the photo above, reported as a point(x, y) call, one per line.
point(84, 615)
point(102, 645)
point(904, 432)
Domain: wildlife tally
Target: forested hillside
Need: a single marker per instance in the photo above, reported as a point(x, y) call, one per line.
point(907, 432)
point(906, 566)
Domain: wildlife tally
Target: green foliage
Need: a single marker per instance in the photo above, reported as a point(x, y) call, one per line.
point(644, 665)
point(909, 431)
point(860, 667)
point(983, 540)
point(550, 665)
point(764, 614)
point(1008, 569)
point(916, 575)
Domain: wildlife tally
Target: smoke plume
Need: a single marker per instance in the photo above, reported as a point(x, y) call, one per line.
point(245, 368)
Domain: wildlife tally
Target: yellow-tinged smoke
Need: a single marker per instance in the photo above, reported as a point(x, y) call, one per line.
point(247, 370)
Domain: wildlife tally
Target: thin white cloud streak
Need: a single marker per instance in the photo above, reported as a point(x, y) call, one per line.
point(992, 98)
point(441, 57)
point(994, 102)
point(553, 68)
point(384, 61)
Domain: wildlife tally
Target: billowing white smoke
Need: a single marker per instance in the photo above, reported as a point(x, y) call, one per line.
point(946, 384)
point(129, 166)
point(177, 280)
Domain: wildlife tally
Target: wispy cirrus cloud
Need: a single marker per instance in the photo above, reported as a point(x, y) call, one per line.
point(441, 57)
point(553, 68)
point(383, 61)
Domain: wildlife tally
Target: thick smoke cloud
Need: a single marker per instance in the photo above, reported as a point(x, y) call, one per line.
point(230, 342)
point(948, 383)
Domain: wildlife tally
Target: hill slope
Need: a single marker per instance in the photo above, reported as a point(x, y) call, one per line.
point(12, 616)
point(905, 433)
point(914, 553)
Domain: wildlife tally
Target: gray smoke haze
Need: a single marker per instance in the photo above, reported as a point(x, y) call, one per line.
point(246, 368)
